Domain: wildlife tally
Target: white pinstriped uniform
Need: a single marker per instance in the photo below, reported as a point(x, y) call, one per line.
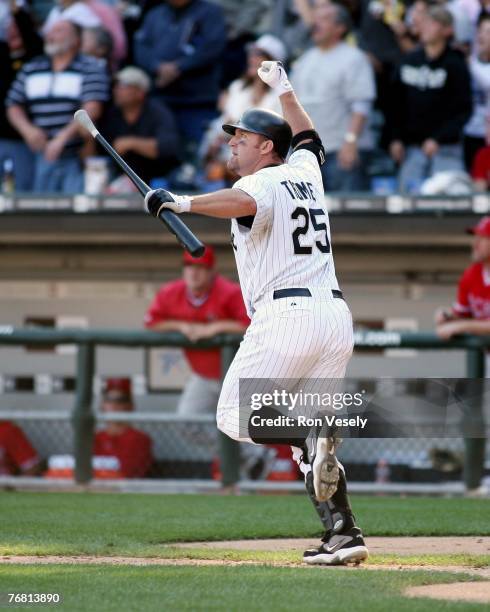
point(287, 246)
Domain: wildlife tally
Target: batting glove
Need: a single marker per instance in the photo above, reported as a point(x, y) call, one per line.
point(158, 199)
point(275, 76)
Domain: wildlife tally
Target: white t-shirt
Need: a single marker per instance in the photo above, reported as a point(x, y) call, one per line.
point(480, 83)
point(240, 98)
point(329, 83)
point(288, 242)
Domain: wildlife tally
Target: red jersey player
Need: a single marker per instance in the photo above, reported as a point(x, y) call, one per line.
point(199, 305)
point(17, 456)
point(471, 315)
point(131, 447)
point(471, 312)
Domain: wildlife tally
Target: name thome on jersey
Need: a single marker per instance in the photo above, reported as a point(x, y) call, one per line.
point(301, 191)
point(287, 243)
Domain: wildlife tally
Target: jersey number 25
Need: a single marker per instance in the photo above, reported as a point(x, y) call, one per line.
point(306, 215)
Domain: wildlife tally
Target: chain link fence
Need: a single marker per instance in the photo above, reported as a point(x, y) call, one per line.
point(189, 448)
point(181, 448)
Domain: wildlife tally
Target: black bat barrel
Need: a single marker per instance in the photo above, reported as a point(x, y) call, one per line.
point(180, 230)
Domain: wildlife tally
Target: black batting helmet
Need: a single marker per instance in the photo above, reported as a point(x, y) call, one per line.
point(265, 122)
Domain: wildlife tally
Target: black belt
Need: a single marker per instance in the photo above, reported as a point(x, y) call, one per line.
point(301, 292)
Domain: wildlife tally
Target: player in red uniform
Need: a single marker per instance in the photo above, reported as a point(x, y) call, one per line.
point(199, 305)
point(470, 313)
point(17, 456)
point(131, 447)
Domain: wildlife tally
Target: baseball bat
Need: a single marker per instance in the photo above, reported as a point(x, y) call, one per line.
point(183, 234)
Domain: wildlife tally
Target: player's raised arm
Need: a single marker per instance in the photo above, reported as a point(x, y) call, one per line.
point(274, 74)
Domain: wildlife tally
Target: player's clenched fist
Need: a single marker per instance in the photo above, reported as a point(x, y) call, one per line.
point(275, 76)
point(157, 199)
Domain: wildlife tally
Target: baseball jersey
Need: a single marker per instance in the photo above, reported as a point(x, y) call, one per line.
point(224, 302)
point(16, 452)
point(132, 448)
point(287, 242)
point(473, 299)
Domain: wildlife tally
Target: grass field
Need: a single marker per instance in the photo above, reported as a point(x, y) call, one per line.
point(100, 524)
point(149, 526)
point(121, 588)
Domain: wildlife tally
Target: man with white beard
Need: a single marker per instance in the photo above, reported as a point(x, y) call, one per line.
point(42, 100)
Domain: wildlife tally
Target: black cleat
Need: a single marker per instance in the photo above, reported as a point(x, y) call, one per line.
point(339, 549)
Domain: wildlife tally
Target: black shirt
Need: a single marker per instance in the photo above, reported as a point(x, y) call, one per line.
point(431, 98)
point(155, 121)
point(10, 65)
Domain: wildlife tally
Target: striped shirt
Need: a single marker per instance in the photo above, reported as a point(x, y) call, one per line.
point(50, 98)
point(287, 243)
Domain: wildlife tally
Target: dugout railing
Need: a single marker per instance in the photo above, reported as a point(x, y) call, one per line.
point(88, 340)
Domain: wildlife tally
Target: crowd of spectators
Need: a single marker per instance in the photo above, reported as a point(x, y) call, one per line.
point(397, 88)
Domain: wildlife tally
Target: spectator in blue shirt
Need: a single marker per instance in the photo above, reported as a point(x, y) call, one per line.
point(180, 44)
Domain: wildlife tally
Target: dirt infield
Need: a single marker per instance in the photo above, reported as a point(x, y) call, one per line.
point(403, 546)
point(94, 560)
point(141, 561)
point(470, 545)
point(478, 592)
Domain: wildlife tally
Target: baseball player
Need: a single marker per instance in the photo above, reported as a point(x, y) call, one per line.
point(470, 314)
point(301, 327)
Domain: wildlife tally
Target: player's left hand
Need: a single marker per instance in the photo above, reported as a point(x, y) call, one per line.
point(274, 75)
point(198, 331)
point(156, 199)
point(446, 331)
point(442, 315)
